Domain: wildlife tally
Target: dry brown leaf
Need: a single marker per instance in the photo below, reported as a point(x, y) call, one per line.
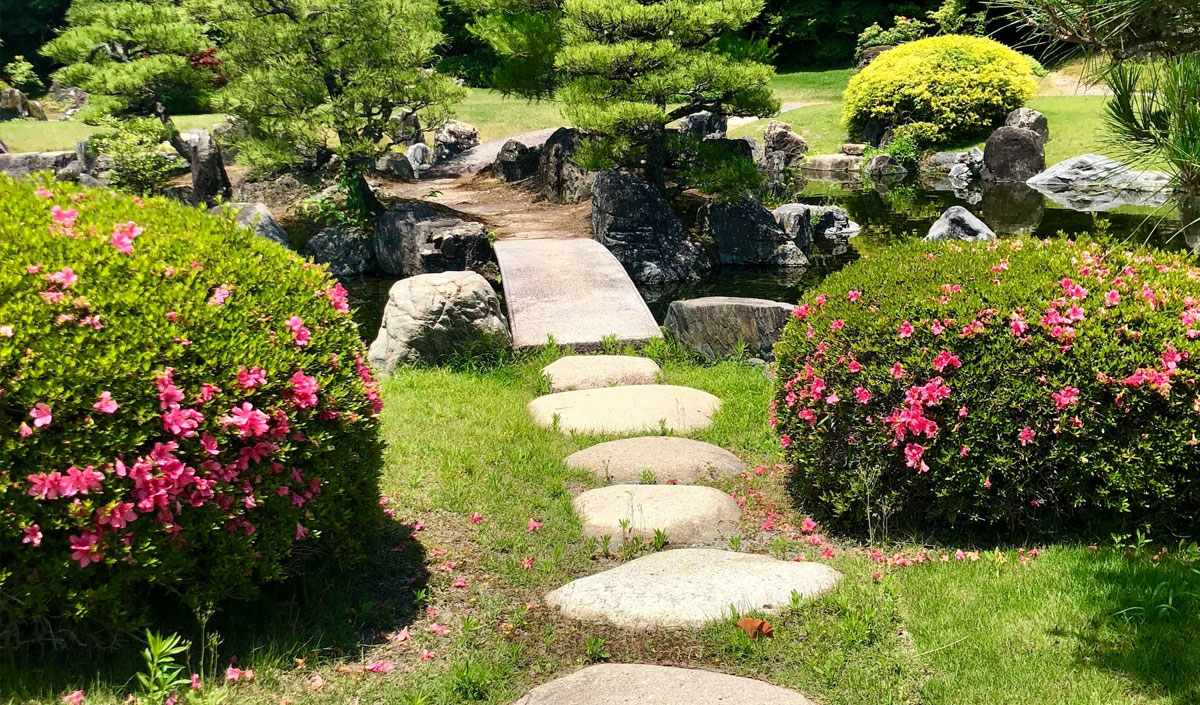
point(756, 628)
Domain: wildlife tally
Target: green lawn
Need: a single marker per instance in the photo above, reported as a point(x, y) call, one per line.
point(1074, 626)
point(48, 135)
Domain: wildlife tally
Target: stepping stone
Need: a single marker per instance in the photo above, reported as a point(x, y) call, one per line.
point(597, 371)
point(687, 514)
point(640, 684)
point(689, 587)
point(669, 458)
point(638, 409)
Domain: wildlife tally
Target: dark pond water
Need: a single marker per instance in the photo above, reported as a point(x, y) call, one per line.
point(887, 216)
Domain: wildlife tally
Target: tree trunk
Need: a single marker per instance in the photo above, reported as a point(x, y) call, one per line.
point(359, 195)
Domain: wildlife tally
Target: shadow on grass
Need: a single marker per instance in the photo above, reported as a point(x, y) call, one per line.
point(1146, 623)
point(322, 612)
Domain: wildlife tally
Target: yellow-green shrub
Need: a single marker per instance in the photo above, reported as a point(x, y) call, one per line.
point(963, 85)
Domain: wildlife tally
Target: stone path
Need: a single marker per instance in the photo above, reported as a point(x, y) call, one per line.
point(686, 514)
point(669, 458)
point(510, 212)
point(786, 107)
point(640, 684)
point(635, 409)
point(689, 587)
point(573, 290)
point(596, 371)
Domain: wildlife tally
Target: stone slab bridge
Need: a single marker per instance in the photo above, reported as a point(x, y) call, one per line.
point(572, 290)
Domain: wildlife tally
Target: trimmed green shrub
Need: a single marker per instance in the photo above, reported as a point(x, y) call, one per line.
point(1007, 387)
point(962, 85)
point(21, 75)
point(185, 406)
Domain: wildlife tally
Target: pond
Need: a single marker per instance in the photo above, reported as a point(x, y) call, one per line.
point(887, 215)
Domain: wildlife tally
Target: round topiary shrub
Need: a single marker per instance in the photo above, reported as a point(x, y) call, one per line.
point(183, 405)
point(960, 85)
point(1003, 387)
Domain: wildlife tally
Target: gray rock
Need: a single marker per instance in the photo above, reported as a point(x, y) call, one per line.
point(347, 252)
point(1013, 154)
point(688, 515)
point(256, 217)
point(406, 128)
point(782, 147)
point(420, 156)
point(642, 408)
point(396, 164)
point(209, 180)
point(812, 224)
point(278, 191)
point(68, 96)
point(1029, 119)
point(747, 234)
point(717, 326)
point(690, 587)
point(796, 220)
point(453, 138)
point(431, 317)
point(14, 106)
point(854, 149)
point(1091, 182)
point(516, 162)
point(413, 238)
point(71, 172)
point(36, 111)
point(184, 193)
point(825, 165)
point(642, 684)
point(636, 224)
point(883, 166)
point(958, 223)
point(870, 54)
point(17, 164)
point(597, 371)
point(562, 180)
point(705, 125)
point(92, 182)
point(668, 458)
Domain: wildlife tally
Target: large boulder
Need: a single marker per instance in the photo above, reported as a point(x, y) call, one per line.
point(747, 234)
point(420, 156)
point(562, 180)
point(816, 224)
point(705, 125)
point(431, 317)
point(1094, 183)
point(832, 166)
point(516, 162)
point(454, 138)
point(413, 238)
point(1013, 154)
point(870, 54)
point(883, 166)
point(636, 224)
point(14, 106)
point(396, 164)
point(1029, 119)
point(26, 163)
point(719, 326)
point(347, 252)
point(256, 217)
point(779, 137)
point(210, 183)
point(958, 223)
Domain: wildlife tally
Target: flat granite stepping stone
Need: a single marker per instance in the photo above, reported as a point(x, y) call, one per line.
point(597, 371)
point(636, 409)
point(687, 514)
point(641, 684)
point(689, 587)
point(670, 458)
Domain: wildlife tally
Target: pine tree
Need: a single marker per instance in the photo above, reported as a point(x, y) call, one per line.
point(632, 67)
point(315, 78)
point(133, 57)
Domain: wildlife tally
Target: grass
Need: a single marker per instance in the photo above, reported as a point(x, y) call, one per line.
point(1072, 626)
point(51, 135)
point(497, 116)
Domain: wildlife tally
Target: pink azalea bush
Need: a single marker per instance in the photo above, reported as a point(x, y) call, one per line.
point(1005, 387)
point(183, 406)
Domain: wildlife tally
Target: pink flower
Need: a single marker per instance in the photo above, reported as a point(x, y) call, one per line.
point(301, 531)
point(248, 420)
point(936, 327)
point(820, 300)
point(195, 682)
point(1065, 397)
point(6, 331)
point(827, 553)
point(476, 518)
point(233, 675)
point(251, 378)
point(945, 359)
point(837, 325)
point(75, 698)
point(527, 563)
point(1017, 325)
point(219, 296)
point(854, 367)
point(832, 399)
point(302, 390)
point(438, 629)
point(182, 422)
point(44, 485)
point(41, 415)
point(1112, 298)
point(801, 312)
point(64, 218)
point(808, 525)
point(861, 395)
point(913, 453)
point(419, 525)
point(300, 335)
point(533, 526)
point(84, 549)
point(64, 277)
point(41, 192)
point(853, 295)
point(786, 440)
point(24, 431)
point(33, 535)
point(461, 582)
point(426, 655)
point(378, 667)
point(964, 451)
point(117, 516)
point(1026, 435)
point(78, 481)
point(897, 371)
point(906, 329)
point(337, 297)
